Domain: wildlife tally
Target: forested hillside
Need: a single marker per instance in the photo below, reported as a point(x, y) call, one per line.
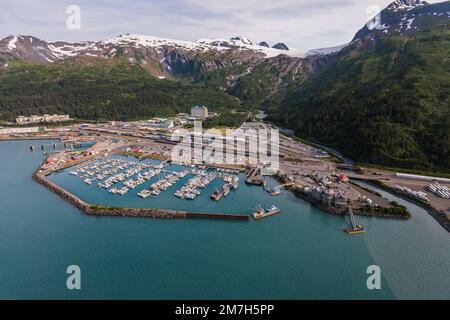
point(97, 88)
point(385, 103)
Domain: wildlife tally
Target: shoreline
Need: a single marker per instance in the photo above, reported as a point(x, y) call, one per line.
point(340, 211)
point(96, 210)
point(29, 138)
point(432, 211)
point(343, 211)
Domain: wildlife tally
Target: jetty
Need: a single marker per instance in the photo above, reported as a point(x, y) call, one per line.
point(355, 228)
point(254, 177)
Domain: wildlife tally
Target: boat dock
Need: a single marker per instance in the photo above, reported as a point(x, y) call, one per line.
point(276, 191)
point(254, 177)
point(95, 210)
point(260, 213)
point(355, 228)
point(69, 145)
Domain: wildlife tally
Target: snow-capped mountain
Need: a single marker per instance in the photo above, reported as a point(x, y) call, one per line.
point(325, 51)
point(406, 4)
point(164, 57)
point(27, 48)
point(32, 48)
point(404, 17)
point(245, 43)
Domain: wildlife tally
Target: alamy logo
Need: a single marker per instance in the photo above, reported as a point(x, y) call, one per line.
point(374, 280)
point(74, 280)
point(74, 20)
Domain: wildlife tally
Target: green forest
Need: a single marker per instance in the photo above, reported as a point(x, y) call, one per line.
point(388, 104)
point(96, 88)
point(384, 103)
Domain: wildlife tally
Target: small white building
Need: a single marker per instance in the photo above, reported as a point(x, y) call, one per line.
point(21, 130)
point(48, 118)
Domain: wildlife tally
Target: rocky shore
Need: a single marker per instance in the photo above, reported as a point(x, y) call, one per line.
point(343, 211)
point(106, 211)
point(339, 210)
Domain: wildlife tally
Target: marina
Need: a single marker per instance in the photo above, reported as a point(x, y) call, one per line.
point(148, 183)
point(106, 247)
point(121, 175)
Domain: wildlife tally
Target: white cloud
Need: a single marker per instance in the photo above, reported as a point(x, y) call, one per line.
point(299, 23)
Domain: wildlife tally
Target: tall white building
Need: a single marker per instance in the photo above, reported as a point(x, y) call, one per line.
point(199, 112)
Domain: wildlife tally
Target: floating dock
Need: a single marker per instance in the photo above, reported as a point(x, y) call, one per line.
point(260, 213)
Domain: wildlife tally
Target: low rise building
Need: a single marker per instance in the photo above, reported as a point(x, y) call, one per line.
point(21, 130)
point(46, 118)
point(327, 196)
point(158, 123)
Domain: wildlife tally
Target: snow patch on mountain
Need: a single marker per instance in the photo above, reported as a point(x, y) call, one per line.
point(12, 42)
point(150, 41)
point(406, 4)
point(325, 51)
point(244, 43)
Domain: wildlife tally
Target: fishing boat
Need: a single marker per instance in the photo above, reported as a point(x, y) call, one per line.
point(123, 191)
point(260, 213)
point(113, 190)
point(144, 194)
point(274, 192)
point(156, 192)
point(226, 190)
point(235, 182)
point(216, 195)
point(190, 196)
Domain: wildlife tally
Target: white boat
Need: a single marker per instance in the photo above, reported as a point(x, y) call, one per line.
point(226, 190)
point(144, 194)
point(235, 182)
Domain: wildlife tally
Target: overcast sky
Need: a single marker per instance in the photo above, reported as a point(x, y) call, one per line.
point(302, 24)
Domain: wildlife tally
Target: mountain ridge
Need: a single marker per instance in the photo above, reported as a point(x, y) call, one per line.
point(384, 99)
point(353, 97)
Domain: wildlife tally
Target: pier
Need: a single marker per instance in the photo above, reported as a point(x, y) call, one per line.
point(355, 228)
point(56, 145)
point(254, 177)
point(275, 191)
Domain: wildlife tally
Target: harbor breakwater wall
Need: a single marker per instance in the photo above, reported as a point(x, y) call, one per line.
point(95, 210)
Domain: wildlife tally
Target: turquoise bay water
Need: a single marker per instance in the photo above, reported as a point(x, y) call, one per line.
point(299, 254)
